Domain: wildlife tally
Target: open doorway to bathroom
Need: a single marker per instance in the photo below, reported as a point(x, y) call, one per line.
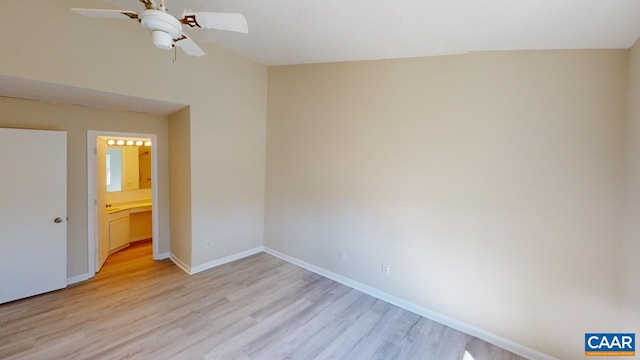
point(123, 197)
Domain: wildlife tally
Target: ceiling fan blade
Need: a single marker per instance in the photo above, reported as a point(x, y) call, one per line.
point(220, 21)
point(107, 14)
point(189, 46)
point(149, 4)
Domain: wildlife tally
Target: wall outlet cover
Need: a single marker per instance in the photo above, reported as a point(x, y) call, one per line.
point(343, 255)
point(386, 269)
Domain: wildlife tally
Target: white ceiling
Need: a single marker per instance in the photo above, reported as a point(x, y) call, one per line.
point(314, 31)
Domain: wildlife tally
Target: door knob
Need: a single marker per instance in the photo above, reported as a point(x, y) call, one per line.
point(57, 220)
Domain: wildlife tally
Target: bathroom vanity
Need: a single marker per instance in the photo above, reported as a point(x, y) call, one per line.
point(127, 223)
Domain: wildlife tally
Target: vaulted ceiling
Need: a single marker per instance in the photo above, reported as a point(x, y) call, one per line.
point(313, 31)
point(316, 31)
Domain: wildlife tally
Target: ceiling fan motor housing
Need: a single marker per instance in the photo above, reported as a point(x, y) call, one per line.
point(163, 26)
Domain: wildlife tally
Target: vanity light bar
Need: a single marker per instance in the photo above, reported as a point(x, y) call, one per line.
point(121, 142)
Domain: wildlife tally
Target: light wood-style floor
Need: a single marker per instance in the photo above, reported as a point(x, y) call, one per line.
point(259, 307)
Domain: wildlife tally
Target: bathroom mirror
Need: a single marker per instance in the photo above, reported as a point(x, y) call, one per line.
point(128, 168)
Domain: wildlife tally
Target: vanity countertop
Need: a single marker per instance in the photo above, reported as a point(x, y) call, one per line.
point(140, 205)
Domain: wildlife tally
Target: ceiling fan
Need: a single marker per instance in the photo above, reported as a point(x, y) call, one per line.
point(167, 29)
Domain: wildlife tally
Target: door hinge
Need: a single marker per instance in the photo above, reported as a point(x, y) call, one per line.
point(95, 151)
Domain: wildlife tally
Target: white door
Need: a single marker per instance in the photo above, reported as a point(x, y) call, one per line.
point(33, 212)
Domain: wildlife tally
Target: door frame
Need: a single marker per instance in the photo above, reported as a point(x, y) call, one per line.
point(92, 229)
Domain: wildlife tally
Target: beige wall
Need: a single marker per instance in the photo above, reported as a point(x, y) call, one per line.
point(76, 120)
point(226, 94)
point(631, 243)
point(129, 196)
point(490, 182)
point(180, 165)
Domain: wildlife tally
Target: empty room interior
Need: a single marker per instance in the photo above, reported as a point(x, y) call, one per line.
point(338, 180)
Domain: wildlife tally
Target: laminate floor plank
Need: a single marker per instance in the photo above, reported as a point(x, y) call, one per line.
point(258, 308)
point(383, 339)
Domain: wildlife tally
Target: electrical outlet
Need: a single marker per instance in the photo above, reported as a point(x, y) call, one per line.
point(343, 255)
point(386, 269)
point(207, 244)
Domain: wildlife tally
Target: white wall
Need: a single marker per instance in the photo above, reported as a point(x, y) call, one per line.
point(490, 182)
point(226, 94)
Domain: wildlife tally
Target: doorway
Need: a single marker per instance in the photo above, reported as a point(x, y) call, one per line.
point(114, 212)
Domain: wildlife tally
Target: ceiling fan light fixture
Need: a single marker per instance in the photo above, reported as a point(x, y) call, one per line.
point(162, 40)
point(164, 27)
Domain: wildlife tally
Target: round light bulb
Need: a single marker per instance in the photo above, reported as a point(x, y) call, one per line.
point(147, 143)
point(130, 142)
point(120, 142)
point(111, 142)
point(139, 143)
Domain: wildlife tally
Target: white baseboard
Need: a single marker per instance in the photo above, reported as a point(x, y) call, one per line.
point(163, 256)
point(228, 259)
point(78, 278)
point(181, 264)
point(213, 263)
point(417, 309)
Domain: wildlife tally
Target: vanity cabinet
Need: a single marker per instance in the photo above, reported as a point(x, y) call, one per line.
point(129, 224)
point(118, 229)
